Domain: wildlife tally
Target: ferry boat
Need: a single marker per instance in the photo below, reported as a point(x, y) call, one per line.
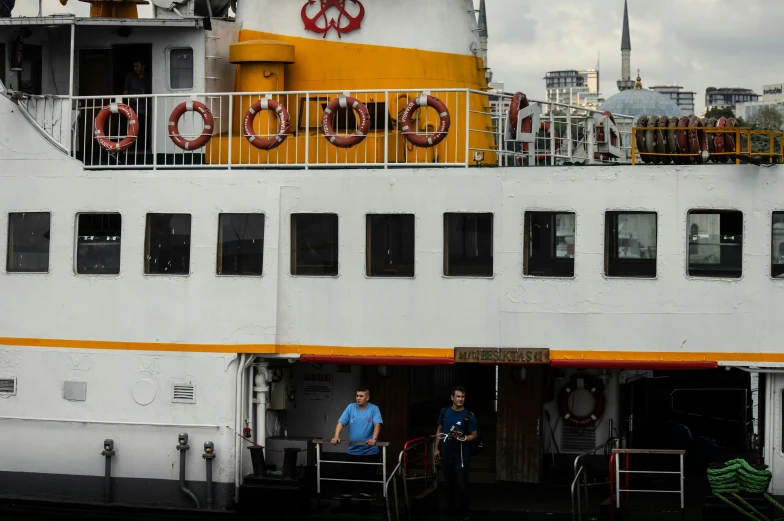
point(217, 226)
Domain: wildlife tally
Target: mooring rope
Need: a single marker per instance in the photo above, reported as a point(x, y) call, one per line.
point(738, 476)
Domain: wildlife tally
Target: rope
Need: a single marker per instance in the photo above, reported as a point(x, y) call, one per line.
point(738, 476)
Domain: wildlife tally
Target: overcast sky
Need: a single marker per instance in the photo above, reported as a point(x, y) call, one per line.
point(693, 43)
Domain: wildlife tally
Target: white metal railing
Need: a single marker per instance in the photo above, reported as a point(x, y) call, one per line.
point(320, 462)
point(478, 135)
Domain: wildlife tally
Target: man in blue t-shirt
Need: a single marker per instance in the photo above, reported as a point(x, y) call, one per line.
point(458, 426)
point(364, 425)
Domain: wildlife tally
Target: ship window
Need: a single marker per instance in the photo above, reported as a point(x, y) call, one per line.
point(98, 239)
point(314, 244)
point(715, 243)
point(777, 247)
point(240, 244)
point(630, 242)
point(28, 242)
point(390, 245)
point(549, 244)
point(181, 68)
point(167, 244)
point(468, 244)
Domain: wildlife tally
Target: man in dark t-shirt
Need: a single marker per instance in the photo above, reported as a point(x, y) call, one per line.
point(459, 428)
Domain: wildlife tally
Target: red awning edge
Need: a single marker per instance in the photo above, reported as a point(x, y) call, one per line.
point(660, 365)
point(376, 360)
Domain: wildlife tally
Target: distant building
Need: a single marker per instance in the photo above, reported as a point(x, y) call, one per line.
point(772, 96)
point(573, 87)
point(683, 98)
point(729, 97)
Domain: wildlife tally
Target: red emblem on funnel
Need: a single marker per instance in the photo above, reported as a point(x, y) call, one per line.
point(345, 23)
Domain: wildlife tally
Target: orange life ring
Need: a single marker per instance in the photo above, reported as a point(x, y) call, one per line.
point(174, 125)
point(698, 143)
point(329, 130)
point(283, 131)
point(443, 127)
point(133, 127)
point(519, 101)
point(729, 139)
point(719, 141)
point(544, 126)
point(591, 385)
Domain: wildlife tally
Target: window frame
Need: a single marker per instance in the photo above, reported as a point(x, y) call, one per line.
point(293, 245)
point(170, 65)
point(718, 211)
point(610, 244)
point(445, 244)
point(368, 245)
point(76, 246)
point(526, 241)
point(146, 246)
point(9, 238)
point(219, 254)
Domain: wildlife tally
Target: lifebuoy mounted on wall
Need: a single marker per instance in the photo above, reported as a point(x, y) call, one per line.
point(409, 133)
point(133, 127)
point(590, 384)
point(345, 102)
point(174, 125)
point(615, 138)
point(283, 131)
point(519, 101)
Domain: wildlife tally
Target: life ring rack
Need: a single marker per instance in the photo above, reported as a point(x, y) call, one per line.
point(174, 125)
point(133, 127)
point(426, 141)
point(590, 384)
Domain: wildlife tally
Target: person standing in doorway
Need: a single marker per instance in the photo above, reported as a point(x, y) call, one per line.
point(457, 427)
point(136, 83)
point(364, 423)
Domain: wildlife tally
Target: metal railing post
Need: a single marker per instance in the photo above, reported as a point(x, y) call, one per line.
point(468, 128)
point(386, 130)
point(384, 468)
point(617, 483)
point(307, 130)
point(231, 127)
point(318, 468)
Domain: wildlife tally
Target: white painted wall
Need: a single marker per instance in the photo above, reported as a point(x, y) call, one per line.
point(434, 25)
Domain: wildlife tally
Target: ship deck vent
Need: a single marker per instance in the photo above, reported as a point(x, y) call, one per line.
point(7, 386)
point(580, 440)
point(183, 393)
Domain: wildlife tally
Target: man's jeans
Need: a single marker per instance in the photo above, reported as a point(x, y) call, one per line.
point(456, 474)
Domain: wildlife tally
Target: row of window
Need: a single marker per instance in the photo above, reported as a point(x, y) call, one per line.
point(715, 244)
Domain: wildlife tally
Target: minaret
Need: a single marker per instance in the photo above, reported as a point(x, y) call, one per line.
point(483, 39)
point(626, 83)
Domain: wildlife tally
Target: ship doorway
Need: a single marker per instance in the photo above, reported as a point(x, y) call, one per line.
point(124, 57)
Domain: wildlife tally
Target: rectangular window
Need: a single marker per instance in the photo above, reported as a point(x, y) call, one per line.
point(468, 244)
point(181, 72)
point(314, 244)
point(777, 247)
point(167, 244)
point(630, 242)
point(390, 245)
point(240, 244)
point(715, 243)
point(98, 239)
point(28, 242)
point(549, 244)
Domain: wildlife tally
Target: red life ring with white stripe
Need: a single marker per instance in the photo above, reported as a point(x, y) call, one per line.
point(615, 139)
point(410, 134)
point(345, 102)
point(283, 132)
point(174, 125)
point(133, 127)
point(590, 384)
point(519, 101)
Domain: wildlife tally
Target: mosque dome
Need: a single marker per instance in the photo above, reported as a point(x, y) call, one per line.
point(638, 102)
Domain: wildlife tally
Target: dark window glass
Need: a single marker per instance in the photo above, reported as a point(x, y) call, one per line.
point(28, 242)
point(549, 244)
point(314, 243)
point(240, 244)
point(181, 68)
point(777, 247)
point(167, 249)
point(468, 244)
point(98, 240)
point(390, 245)
point(630, 239)
point(715, 243)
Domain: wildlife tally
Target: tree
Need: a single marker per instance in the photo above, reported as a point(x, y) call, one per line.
point(711, 89)
point(767, 118)
point(720, 112)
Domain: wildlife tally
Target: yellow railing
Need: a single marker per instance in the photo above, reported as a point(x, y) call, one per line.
point(743, 144)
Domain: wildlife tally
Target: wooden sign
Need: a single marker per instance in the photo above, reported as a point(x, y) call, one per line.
point(503, 355)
